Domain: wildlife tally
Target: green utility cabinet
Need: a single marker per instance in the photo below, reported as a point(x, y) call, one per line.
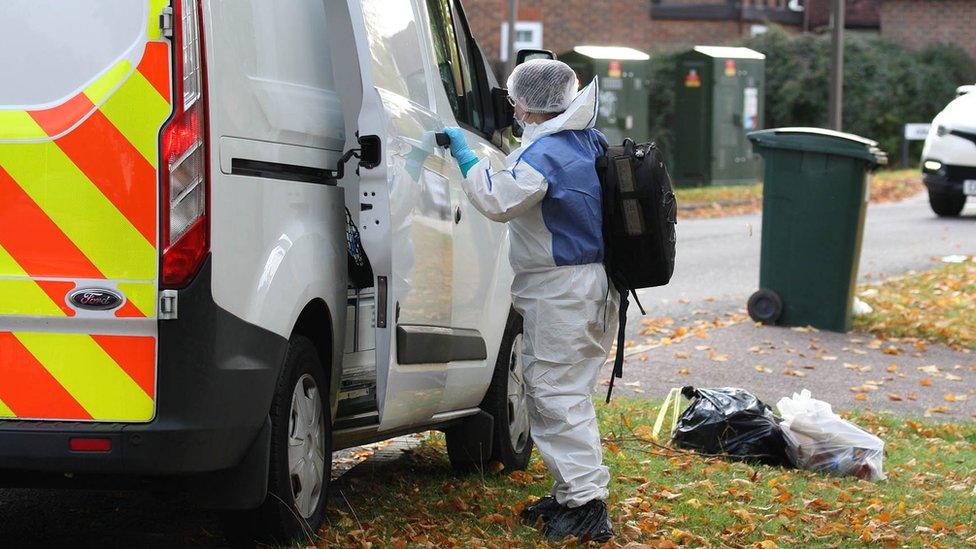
point(624, 77)
point(815, 193)
point(719, 98)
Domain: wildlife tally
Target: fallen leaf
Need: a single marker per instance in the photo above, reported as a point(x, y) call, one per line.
point(493, 518)
point(894, 396)
point(716, 357)
point(937, 410)
point(925, 382)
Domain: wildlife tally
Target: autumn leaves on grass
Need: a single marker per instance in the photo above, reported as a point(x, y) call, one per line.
point(727, 200)
point(666, 498)
point(936, 304)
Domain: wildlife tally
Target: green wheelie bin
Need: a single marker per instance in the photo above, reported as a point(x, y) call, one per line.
point(815, 194)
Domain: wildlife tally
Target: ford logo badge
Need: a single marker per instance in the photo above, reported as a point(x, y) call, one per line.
point(95, 299)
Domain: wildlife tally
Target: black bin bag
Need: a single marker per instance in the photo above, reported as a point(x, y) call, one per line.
point(733, 423)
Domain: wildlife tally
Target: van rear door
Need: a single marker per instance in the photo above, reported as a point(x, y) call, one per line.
point(85, 91)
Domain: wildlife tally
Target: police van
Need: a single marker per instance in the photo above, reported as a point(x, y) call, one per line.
point(176, 220)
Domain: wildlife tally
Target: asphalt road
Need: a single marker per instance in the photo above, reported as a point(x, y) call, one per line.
point(846, 370)
point(718, 259)
point(717, 270)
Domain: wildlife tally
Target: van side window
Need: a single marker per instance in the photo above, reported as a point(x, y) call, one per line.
point(473, 99)
point(394, 44)
point(455, 63)
point(447, 56)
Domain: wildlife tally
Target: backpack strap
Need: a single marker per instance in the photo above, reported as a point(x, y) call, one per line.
point(633, 292)
point(618, 360)
point(602, 139)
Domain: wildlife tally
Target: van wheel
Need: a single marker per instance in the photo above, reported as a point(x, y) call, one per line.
point(509, 437)
point(301, 448)
point(947, 205)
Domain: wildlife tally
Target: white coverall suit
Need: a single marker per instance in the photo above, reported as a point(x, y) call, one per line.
point(550, 196)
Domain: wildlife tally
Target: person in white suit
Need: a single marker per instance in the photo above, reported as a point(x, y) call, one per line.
point(550, 196)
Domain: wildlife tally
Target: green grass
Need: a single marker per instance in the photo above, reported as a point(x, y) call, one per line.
point(664, 497)
point(723, 200)
point(936, 304)
point(720, 193)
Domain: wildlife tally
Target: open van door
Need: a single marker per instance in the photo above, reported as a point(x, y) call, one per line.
point(406, 207)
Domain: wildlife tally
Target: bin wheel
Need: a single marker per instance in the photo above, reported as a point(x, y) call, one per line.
point(765, 306)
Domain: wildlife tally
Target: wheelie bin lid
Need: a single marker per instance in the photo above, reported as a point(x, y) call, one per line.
point(819, 140)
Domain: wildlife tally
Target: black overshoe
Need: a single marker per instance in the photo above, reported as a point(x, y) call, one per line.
point(588, 522)
point(543, 508)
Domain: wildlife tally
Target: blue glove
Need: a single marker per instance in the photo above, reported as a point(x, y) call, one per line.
point(465, 157)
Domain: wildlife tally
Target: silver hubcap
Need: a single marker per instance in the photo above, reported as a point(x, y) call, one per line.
point(306, 446)
point(518, 411)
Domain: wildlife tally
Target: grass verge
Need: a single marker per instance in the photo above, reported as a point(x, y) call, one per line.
point(721, 201)
point(936, 304)
point(667, 498)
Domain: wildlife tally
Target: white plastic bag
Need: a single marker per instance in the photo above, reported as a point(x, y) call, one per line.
point(828, 443)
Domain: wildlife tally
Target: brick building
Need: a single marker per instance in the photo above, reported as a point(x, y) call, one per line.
point(917, 23)
point(649, 24)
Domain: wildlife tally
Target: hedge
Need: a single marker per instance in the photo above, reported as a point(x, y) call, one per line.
point(885, 85)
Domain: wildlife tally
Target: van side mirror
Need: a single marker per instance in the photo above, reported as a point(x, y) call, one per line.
point(503, 110)
point(528, 55)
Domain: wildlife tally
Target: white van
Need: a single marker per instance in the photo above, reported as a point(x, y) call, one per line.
point(176, 310)
point(949, 157)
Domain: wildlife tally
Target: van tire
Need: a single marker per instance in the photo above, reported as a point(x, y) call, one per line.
point(467, 441)
point(279, 521)
point(947, 205)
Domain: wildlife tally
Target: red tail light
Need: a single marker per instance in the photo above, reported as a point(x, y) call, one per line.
point(185, 165)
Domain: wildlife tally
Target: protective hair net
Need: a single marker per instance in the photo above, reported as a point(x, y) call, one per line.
point(543, 85)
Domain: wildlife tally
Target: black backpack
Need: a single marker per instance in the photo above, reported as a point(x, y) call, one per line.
point(639, 215)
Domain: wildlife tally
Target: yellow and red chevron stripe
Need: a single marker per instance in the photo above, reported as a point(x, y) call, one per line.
point(82, 204)
point(78, 208)
point(77, 376)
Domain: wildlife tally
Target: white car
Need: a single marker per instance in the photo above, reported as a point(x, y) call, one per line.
point(949, 157)
point(176, 309)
